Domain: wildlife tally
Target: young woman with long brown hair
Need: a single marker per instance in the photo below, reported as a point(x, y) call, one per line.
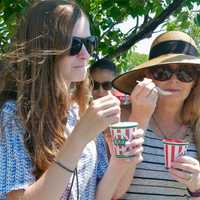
point(44, 92)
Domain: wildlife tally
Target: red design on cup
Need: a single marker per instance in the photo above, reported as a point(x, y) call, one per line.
point(172, 149)
point(124, 98)
point(121, 133)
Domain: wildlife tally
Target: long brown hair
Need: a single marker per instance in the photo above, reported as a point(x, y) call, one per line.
point(191, 113)
point(42, 99)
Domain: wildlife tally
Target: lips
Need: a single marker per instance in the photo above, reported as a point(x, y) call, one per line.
point(79, 66)
point(172, 90)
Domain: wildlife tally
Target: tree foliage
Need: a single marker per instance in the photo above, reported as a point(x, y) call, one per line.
point(129, 60)
point(147, 15)
point(10, 12)
point(106, 15)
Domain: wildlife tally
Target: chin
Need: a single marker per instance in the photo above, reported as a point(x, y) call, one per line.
point(79, 78)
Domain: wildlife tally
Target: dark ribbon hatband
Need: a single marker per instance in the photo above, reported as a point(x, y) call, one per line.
point(175, 46)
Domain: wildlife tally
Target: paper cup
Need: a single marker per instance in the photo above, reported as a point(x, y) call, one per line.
point(172, 149)
point(121, 133)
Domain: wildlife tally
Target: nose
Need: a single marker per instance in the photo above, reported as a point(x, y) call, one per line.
point(101, 92)
point(174, 78)
point(83, 54)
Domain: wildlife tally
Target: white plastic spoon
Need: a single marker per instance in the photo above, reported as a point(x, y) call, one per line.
point(160, 91)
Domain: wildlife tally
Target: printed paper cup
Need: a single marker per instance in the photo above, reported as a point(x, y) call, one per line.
point(172, 149)
point(121, 133)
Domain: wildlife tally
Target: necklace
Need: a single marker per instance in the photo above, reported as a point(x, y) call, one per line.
point(162, 132)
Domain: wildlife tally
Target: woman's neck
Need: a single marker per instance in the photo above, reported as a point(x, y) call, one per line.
point(168, 112)
point(166, 120)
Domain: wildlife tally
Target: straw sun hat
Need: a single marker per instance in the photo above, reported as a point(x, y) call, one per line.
point(173, 47)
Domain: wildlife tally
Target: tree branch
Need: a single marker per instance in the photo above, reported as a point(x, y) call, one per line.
point(109, 29)
point(133, 29)
point(145, 21)
point(147, 30)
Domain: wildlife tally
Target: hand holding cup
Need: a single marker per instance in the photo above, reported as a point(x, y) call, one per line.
point(173, 148)
point(127, 140)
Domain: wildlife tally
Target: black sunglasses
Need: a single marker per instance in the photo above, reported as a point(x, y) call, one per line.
point(107, 85)
point(183, 73)
point(89, 42)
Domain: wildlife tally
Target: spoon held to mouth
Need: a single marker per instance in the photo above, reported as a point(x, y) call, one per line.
point(160, 91)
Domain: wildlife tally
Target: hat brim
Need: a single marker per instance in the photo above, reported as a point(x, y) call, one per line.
point(127, 81)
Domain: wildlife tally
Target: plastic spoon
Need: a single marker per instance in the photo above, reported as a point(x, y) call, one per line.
point(160, 91)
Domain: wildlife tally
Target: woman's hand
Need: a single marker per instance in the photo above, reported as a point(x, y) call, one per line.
point(133, 148)
point(101, 113)
point(187, 171)
point(144, 98)
point(119, 174)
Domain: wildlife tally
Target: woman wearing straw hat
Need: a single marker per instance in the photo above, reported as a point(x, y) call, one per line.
point(166, 104)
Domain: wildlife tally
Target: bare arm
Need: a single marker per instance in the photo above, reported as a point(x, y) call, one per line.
point(115, 183)
point(110, 181)
point(120, 172)
point(53, 182)
point(125, 182)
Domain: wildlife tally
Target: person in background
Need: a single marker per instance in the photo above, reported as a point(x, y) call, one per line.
point(45, 119)
point(166, 103)
point(102, 73)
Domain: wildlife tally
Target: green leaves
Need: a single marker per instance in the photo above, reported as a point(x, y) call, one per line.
point(10, 13)
point(130, 60)
point(197, 20)
point(106, 15)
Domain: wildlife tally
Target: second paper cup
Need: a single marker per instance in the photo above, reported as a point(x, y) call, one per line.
point(172, 149)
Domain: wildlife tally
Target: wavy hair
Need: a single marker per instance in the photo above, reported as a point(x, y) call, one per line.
point(43, 100)
point(191, 113)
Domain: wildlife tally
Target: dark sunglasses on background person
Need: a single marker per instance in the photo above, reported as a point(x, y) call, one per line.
point(183, 73)
point(107, 85)
point(90, 44)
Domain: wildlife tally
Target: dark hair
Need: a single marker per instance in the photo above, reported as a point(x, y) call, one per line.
point(103, 64)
